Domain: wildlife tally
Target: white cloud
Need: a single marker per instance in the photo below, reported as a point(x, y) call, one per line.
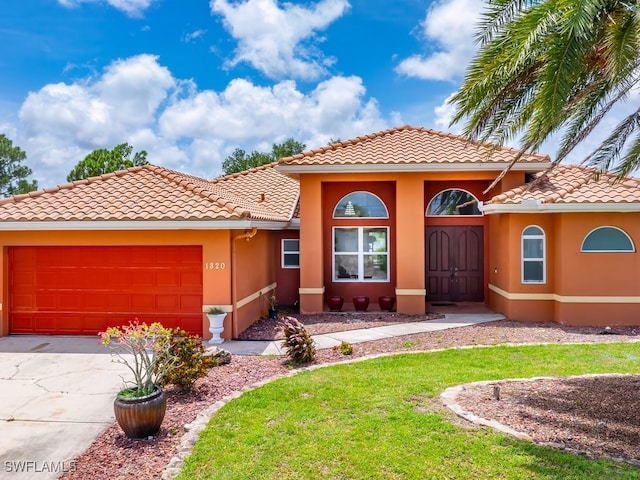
point(137, 100)
point(135, 87)
point(450, 25)
point(444, 114)
point(133, 8)
point(247, 112)
point(274, 39)
point(192, 36)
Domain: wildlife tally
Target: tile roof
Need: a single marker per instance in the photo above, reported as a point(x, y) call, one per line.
point(265, 187)
point(407, 145)
point(139, 193)
point(573, 184)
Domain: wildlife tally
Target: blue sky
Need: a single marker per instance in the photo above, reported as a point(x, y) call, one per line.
point(190, 81)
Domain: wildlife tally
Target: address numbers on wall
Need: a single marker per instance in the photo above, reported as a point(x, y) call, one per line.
point(215, 266)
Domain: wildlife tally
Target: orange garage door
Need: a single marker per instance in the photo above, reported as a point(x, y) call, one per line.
point(84, 290)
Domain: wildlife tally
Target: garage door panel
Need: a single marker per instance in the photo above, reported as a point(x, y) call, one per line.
point(190, 279)
point(169, 303)
point(118, 302)
point(69, 301)
point(84, 290)
point(167, 278)
point(22, 323)
point(143, 302)
point(23, 301)
point(191, 302)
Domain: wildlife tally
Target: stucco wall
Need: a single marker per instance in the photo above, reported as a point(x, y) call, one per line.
point(597, 288)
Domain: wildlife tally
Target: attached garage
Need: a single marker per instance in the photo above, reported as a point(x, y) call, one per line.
point(70, 290)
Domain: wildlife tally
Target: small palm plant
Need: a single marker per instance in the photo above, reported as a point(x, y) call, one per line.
point(300, 346)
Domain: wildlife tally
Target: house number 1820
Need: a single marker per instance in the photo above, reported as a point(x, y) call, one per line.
point(215, 266)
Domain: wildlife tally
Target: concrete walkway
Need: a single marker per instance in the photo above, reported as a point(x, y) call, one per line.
point(329, 340)
point(56, 397)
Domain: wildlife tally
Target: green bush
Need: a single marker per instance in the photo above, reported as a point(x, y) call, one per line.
point(345, 348)
point(300, 346)
point(184, 362)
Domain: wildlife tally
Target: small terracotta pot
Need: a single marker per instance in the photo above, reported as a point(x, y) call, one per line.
point(361, 303)
point(386, 302)
point(335, 303)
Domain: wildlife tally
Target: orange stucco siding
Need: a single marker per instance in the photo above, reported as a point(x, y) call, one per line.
point(595, 288)
point(406, 196)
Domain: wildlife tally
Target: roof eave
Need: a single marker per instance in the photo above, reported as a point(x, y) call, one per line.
point(538, 207)
point(143, 225)
point(396, 168)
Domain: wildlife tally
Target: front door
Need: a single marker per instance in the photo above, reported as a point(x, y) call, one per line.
point(454, 263)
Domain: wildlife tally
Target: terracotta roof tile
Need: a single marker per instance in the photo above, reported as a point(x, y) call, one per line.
point(264, 186)
point(138, 193)
point(409, 146)
point(574, 184)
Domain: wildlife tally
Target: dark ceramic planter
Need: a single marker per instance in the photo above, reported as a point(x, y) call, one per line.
point(386, 302)
point(141, 417)
point(335, 303)
point(361, 303)
point(273, 313)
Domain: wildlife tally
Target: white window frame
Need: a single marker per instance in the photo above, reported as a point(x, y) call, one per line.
point(284, 252)
point(335, 208)
point(633, 246)
point(524, 259)
point(361, 253)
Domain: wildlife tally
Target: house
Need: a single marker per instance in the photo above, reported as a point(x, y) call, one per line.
point(402, 212)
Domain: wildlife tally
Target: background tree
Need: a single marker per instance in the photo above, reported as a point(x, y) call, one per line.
point(239, 160)
point(13, 175)
point(550, 66)
point(103, 161)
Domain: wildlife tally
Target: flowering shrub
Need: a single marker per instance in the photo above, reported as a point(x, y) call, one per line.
point(139, 347)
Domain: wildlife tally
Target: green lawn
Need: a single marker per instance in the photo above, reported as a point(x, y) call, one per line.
point(376, 420)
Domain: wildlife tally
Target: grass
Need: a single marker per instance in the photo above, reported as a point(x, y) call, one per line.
point(376, 420)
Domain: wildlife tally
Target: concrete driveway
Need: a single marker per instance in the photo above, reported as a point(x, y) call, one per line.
point(56, 397)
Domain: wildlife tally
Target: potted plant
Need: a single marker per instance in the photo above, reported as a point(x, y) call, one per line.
point(273, 306)
point(141, 404)
point(216, 317)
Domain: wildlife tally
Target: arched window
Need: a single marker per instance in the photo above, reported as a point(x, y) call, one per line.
point(533, 255)
point(360, 205)
point(607, 239)
point(453, 202)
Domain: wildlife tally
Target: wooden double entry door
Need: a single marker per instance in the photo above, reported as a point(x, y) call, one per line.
point(455, 263)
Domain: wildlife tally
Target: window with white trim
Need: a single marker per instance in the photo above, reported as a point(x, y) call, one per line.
point(533, 255)
point(360, 205)
point(607, 239)
point(290, 253)
point(361, 254)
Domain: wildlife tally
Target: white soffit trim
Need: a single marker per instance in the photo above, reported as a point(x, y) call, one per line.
point(412, 167)
point(535, 207)
point(144, 225)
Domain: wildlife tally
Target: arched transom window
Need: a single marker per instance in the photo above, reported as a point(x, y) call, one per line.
point(607, 239)
point(453, 202)
point(360, 205)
